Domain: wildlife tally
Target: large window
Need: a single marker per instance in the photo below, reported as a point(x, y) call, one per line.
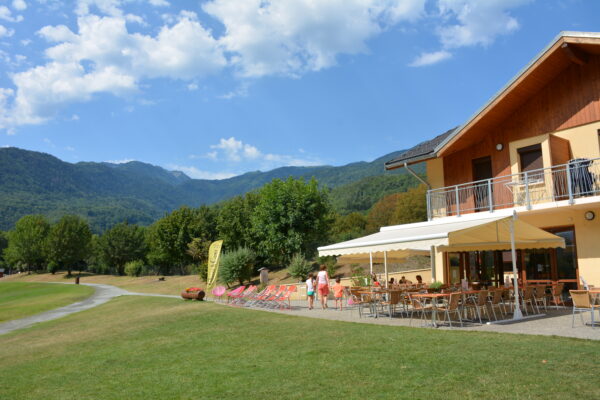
point(531, 157)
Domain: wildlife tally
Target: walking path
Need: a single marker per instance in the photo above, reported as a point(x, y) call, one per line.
point(554, 323)
point(102, 294)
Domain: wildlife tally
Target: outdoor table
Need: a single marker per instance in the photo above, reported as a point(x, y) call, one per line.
point(376, 296)
point(595, 294)
point(434, 297)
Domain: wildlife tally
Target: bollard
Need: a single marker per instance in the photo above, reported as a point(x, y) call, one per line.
point(77, 280)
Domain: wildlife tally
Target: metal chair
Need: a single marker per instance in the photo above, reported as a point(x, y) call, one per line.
point(582, 303)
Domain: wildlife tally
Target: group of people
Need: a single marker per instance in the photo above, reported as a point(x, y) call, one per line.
point(322, 287)
point(320, 284)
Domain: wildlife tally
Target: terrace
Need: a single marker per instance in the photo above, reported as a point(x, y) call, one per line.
point(569, 182)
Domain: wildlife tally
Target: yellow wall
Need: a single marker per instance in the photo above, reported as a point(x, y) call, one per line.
point(587, 235)
point(435, 173)
point(583, 139)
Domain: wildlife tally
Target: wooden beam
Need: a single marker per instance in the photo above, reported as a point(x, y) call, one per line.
point(575, 54)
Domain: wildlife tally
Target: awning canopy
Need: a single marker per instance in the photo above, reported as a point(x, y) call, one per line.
point(455, 234)
point(395, 256)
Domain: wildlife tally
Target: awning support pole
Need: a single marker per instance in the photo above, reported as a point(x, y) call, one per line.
point(517, 313)
point(432, 261)
point(387, 279)
point(371, 262)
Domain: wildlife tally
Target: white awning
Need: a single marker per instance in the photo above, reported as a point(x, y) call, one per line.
point(397, 256)
point(448, 234)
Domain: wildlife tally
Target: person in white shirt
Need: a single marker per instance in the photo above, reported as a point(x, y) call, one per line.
point(323, 285)
point(310, 290)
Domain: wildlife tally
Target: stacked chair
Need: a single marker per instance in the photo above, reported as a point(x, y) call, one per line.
point(272, 296)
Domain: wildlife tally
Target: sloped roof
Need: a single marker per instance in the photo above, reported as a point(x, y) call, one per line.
point(423, 151)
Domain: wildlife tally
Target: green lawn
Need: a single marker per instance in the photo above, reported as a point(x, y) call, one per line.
point(21, 299)
point(157, 348)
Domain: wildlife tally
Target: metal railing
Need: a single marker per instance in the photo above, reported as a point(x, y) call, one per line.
point(577, 178)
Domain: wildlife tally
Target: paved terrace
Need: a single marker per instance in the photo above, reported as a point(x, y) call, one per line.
point(554, 323)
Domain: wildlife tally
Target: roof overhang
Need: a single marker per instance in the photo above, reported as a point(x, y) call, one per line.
point(565, 49)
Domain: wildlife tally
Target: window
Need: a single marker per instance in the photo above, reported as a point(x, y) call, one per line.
point(531, 157)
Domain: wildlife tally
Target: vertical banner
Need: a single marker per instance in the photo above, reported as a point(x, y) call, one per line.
point(214, 253)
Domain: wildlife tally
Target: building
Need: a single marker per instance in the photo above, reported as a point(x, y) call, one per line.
point(533, 150)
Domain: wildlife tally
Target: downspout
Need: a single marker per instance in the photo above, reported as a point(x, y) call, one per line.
point(413, 173)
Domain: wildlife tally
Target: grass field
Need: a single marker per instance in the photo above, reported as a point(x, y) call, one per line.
point(21, 299)
point(157, 348)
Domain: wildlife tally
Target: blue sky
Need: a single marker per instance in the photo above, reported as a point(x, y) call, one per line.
point(221, 87)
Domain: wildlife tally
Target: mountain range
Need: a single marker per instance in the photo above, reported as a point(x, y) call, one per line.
point(105, 193)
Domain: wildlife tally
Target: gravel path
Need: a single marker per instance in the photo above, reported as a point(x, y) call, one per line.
point(102, 294)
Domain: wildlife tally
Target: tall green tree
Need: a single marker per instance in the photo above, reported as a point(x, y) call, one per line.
point(121, 244)
point(290, 217)
point(233, 221)
point(26, 243)
point(3, 246)
point(168, 238)
point(348, 227)
point(411, 206)
point(68, 243)
point(237, 265)
point(382, 213)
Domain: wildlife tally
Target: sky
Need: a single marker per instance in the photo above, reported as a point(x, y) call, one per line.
point(218, 88)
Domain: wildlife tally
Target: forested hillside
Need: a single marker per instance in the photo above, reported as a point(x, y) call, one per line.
point(104, 194)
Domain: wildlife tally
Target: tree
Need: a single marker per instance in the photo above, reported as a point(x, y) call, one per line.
point(198, 250)
point(121, 244)
point(233, 222)
point(290, 217)
point(411, 206)
point(382, 213)
point(168, 237)
point(237, 265)
point(3, 246)
point(299, 267)
point(26, 243)
point(68, 243)
point(348, 227)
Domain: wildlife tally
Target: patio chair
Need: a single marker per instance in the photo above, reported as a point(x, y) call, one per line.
point(495, 301)
point(539, 296)
point(235, 292)
point(271, 300)
point(452, 306)
point(245, 295)
point(264, 294)
point(582, 302)
point(528, 298)
point(286, 296)
point(555, 295)
point(218, 292)
point(418, 306)
point(478, 304)
point(394, 298)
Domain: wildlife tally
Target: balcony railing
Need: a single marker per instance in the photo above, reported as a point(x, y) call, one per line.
point(578, 178)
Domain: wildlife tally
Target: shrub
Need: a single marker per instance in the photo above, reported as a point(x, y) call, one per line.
point(203, 271)
point(299, 267)
point(134, 268)
point(52, 267)
point(237, 265)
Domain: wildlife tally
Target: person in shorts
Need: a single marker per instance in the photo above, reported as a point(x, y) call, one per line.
point(310, 291)
point(323, 285)
point(338, 293)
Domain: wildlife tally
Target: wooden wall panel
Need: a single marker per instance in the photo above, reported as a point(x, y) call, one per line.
point(571, 99)
point(560, 150)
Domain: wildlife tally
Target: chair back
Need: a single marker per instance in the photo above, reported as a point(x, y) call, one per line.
point(394, 296)
point(236, 291)
point(528, 293)
point(558, 289)
point(416, 302)
point(482, 297)
point(454, 301)
point(581, 298)
point(218, 291)
point(497, 297)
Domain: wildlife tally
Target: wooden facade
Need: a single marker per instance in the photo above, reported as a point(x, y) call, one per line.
point(570, 99)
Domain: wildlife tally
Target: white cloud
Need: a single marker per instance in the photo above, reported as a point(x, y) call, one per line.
point(26, 42)
point(196, 173)
point(123, 161)
point(70, 148)
point(103, 57)
point(236, 151)
point(6, 15)
point(478, 22)
point(19, 5)
point(430, 58)
point(290, 37)
point(5, 32)
point(192, 86)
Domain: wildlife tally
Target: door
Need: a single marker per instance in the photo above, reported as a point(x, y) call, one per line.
point(482, 170)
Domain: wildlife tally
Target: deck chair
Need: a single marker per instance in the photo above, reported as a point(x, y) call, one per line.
point(286, 297)
point(272, 300)
point(235, 292)
point(246, 294)
point(263, 295)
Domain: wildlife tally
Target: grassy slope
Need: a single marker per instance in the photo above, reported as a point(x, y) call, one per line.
point(21, 299)
point(147, 348)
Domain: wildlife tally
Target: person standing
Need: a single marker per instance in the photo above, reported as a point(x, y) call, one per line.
point(310, 291)
point(323, 285)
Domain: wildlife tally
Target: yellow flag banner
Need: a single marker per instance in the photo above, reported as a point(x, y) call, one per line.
point(214, 253)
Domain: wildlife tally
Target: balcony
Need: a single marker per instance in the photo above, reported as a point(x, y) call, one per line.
point(579, 178)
